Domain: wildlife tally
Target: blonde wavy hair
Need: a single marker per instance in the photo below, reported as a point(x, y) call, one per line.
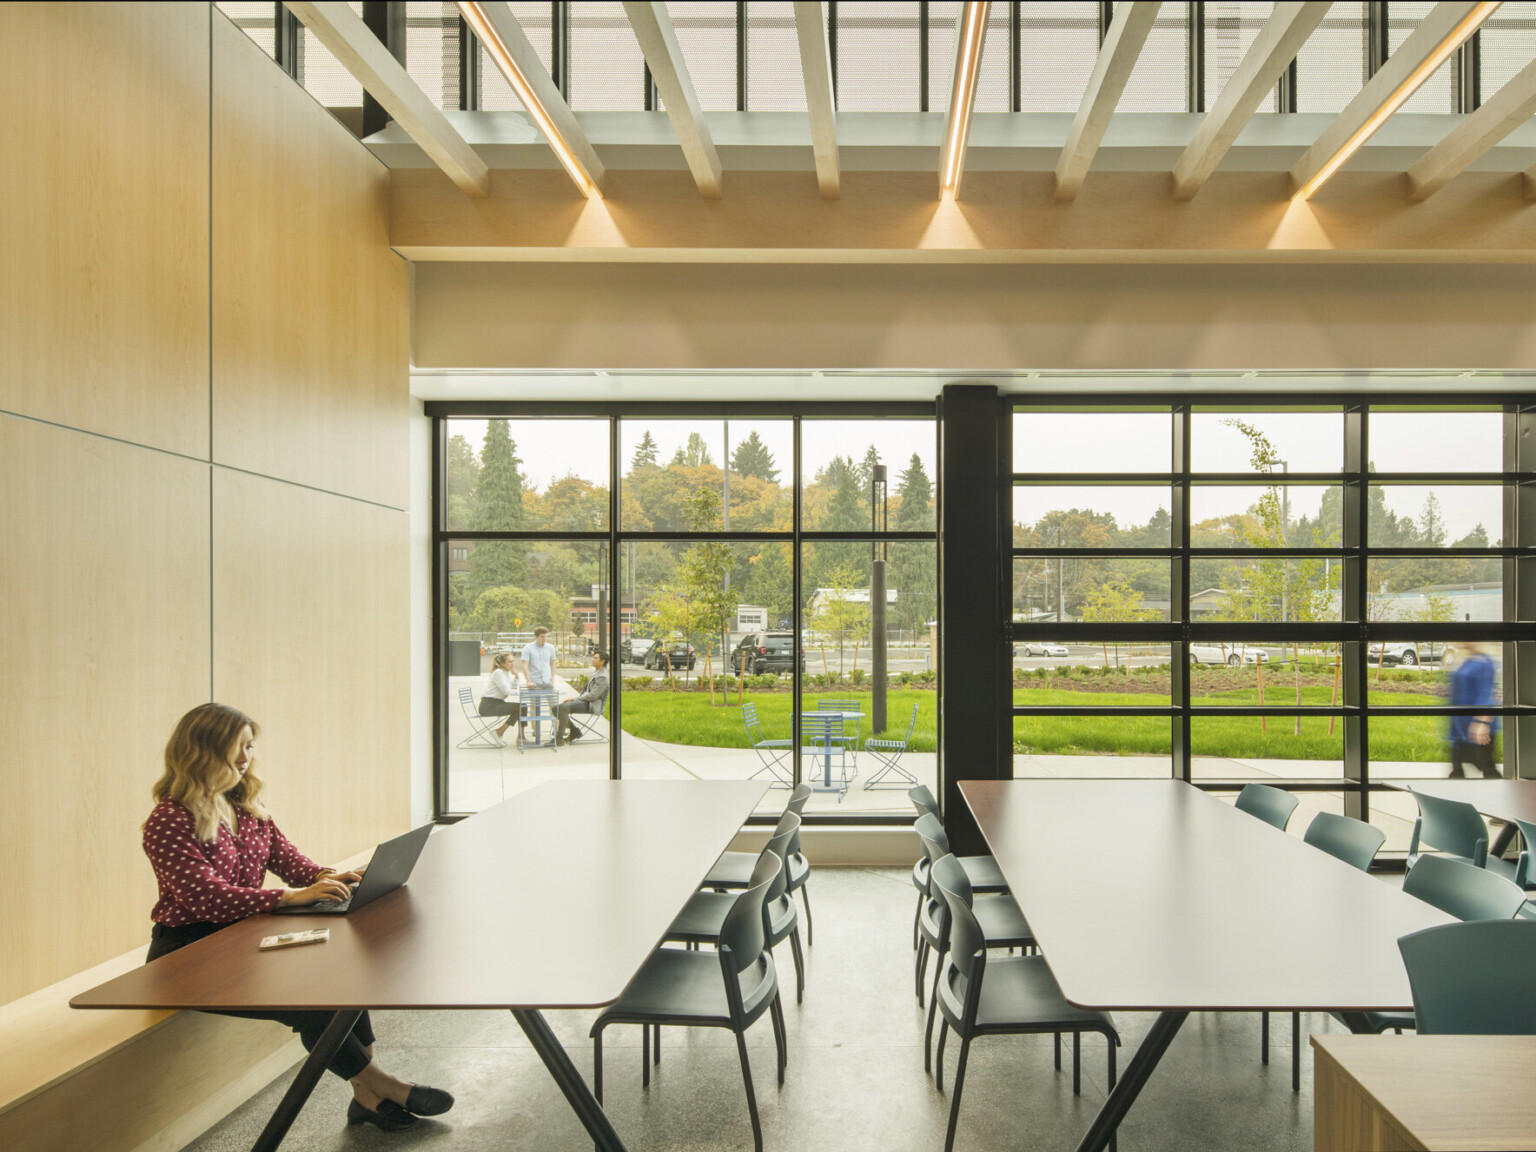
point(199, 773)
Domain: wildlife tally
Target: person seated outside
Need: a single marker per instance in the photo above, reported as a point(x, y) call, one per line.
point(590, 702)
point(501, 693)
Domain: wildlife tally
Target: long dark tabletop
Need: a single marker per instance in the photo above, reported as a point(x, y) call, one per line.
point(1501, 799)
point(1151, 894)
point(551, 899)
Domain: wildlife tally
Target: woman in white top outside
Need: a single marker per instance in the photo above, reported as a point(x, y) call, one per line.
point(501, 693)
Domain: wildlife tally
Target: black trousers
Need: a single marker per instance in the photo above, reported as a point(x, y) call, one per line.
point(350, 1059)
point(491, 706)
point(1480, 756)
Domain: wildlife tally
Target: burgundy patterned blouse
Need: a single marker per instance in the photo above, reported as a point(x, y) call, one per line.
point(218, 882)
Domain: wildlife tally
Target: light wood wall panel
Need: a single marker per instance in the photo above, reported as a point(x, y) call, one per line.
point(104, 227)
point(311, 638)
point(105, 620)
point(309, 305)
point(976, 318)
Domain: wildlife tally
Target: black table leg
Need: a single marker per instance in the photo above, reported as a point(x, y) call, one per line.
point(1137, 1072)
point(304, 1083)
point(577, 1095)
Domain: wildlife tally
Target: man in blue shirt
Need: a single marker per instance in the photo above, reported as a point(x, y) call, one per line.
point(1472, 685)
point(537, 664)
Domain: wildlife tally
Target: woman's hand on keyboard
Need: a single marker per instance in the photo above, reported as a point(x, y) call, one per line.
point(325, 888)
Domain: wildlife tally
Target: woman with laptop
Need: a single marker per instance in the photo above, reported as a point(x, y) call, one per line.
point(211, 842)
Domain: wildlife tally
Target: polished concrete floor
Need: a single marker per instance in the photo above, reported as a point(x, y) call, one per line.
point(855, 1078)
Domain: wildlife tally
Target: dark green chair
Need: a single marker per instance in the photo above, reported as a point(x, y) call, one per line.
point(1002, 923)
point(1000, 996)
point(731, 988)
point(1451, 827)
point(1356, 843)
point(1271, 805)
point(734, 869)
point(1465, 892)
point(983, 870)
point(703, 916)
point(1473, 979)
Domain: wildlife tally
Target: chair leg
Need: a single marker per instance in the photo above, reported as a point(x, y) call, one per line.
point(933, 1007)
point(794, 949)
point(1295, 1051)
point(1077, 1073)
point(1110, 1044)
point(916, 917)
point(810, 931)
point(938, 1057)
point(656, 1032)
point(597, 1066)
point(746, 1076)
point(780, 1035)
point(645, 1055)
point(1263, 1037)
point(920, 969)
point(954, 1100)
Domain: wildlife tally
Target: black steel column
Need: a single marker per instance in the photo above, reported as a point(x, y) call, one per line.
point(1354, 605)
point(469, 68)
point(975, 707)
point(288, 41)
point(1196, 56)
point(1520, 591)
point(386, 20)
point(1178, 598)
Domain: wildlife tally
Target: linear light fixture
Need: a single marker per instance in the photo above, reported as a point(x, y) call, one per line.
point(962, 96)
point(485, 32)
point(1415, 79)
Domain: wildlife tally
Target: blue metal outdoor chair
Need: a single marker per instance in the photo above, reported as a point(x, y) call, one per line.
point(772, 753)
point(850, 740)
point(592, 725)
point(481, 728)
point(890, 774)
point(822, 740)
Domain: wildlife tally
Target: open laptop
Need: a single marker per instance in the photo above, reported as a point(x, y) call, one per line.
point(390, 867)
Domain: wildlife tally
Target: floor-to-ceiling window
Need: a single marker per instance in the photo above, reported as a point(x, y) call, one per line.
point(1236, 590)
point(755, 573)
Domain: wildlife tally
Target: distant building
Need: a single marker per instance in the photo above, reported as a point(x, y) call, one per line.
point(851, 595)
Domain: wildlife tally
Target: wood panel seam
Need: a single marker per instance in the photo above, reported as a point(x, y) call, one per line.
point(103, 436)
point(308, 487)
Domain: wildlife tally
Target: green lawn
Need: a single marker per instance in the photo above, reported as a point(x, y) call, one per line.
point(688, 718)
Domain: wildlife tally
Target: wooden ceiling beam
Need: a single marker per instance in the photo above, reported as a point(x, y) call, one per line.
point(384, 78)
point(1122, 46)
point(1287, 29)
point(816, 67)
point(658, 41)
point(1503, 112)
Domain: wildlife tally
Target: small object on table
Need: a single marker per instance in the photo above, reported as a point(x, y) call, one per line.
point(294, 939)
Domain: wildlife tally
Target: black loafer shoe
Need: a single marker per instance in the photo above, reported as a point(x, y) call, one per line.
point(424, 1101)
point(390, 1117)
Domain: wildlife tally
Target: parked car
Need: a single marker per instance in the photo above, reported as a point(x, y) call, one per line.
point(632, 649)
point(1406, 654)
point(1231, 655)
point(761, 652)
point(674, 654)
point(1035, 647)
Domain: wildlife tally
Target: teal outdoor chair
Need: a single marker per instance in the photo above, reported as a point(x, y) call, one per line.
point(732, 988)
point(772, 753)
point(1000, 996)
point(1465, 892)
point(1473, 979)
point(823, 740)
point(1356, 843)
point(1271, 805)
point(888, 754)
point(850, 739)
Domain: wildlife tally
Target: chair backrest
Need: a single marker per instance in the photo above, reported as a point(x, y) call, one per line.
point(950, 873)
point(742, 935)
point(1352, 841)
point(1527, 864)
point(797, 799)
point(923, 799)
point(930, 831)
point(778, 847)
point(1473, 979)
point(1271, 805)
point(911, 728)
point(1451, 826)
point(967, 945)
point(838, 706)
point(749, 718)
point(467, 699)
point(816, 728)
point(1464, 891)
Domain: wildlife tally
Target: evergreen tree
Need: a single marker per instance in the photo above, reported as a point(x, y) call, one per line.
point(1432, 523)
point(915, 512)
point(463, 472)
point(752, 458)
point(914, 566)
point(645, 453)
point(845, 513)
point(498, 508)
point(866, 470)
point(768, 583)
point(679, 460)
